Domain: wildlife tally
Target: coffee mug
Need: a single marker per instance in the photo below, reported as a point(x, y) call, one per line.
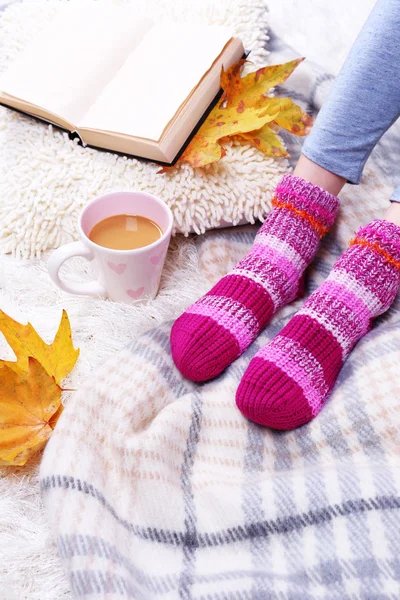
point(124, 275)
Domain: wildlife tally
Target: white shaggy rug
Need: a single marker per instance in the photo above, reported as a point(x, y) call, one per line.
point(29, 565)
point(46, 178)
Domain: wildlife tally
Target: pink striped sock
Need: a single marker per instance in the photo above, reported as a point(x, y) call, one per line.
point(287, 382)
point(215, 330)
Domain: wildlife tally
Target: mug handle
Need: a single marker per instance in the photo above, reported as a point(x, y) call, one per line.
point(58, 258)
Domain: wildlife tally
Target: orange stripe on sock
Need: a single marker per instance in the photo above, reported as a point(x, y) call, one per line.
point(303, 214)
point(375, 246)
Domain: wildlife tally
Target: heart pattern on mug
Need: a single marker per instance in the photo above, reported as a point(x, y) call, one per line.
point(156, 259)
point(118, 269)
point(135, 294)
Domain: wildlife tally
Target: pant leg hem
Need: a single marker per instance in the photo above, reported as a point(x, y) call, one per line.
point(395, 197)
point(326, 162)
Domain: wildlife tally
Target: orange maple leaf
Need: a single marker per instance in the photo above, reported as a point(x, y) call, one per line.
point(247, 112)
point(30, 395)
point(29, 408)
point(58, 358)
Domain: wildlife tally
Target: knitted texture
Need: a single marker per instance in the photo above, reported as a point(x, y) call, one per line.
point(222, 324)
point(288, 381)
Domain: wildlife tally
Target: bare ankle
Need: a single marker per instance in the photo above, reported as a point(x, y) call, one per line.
point(393, 213)
point(317, 175)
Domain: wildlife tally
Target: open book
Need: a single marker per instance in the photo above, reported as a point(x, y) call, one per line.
point(120, 81)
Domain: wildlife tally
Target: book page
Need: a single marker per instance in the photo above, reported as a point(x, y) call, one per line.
point(156, 79)
point(69, 63)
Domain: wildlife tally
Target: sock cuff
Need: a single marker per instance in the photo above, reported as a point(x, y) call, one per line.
point(382, 237)
point(303, 196)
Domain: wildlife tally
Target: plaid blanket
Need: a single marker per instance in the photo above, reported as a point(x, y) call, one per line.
point(156, 487)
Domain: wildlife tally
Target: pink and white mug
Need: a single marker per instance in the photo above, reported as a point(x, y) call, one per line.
point(124, 275)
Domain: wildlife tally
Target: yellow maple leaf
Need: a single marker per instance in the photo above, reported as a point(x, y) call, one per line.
point(57, 358)
point(292, 118)
point(30, 395)
point(247, 112)
point(30, 405)
point(265, 140)
point(252, 87)
point(205, 147)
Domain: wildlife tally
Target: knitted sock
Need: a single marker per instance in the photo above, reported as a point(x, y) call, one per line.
point(215, 330)
point(288, 381)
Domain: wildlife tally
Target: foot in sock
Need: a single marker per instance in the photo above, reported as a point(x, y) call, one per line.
point(215, 330)
point(288, 381)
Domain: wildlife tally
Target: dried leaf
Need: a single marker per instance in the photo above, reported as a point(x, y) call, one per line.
point(246, 111)
point(238, 118)
point(204, 147)
point(202, 151)
point(58, 358)
point(230, 80)
point(292, 118)
point(30, 405)
point(252, 87)
point(265, 140)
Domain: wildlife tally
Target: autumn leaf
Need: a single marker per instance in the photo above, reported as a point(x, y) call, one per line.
point(292, 118)
point(230, 81)
point(30, 395)
point(57, 358)
point(252, 87)
point(265, 140)
point(205, 148)
point(247, 112)
point(30, 405)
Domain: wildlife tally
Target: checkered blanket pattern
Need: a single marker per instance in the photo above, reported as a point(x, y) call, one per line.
point(157, 487)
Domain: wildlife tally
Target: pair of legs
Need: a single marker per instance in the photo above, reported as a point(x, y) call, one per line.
point(363, 104)
point(288, 381)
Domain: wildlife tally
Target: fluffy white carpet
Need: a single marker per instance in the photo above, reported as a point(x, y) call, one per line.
point(29, 565)
point(46, 178)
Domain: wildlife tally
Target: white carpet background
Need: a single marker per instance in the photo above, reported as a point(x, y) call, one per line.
point(29, 565)
point(30, 155)
point(46, 178)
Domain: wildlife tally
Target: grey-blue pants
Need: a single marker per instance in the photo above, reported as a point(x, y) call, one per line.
point(364, 101)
